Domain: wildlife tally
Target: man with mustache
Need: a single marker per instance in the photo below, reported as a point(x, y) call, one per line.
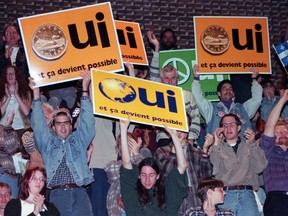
point(274, 142)
point(213, 112)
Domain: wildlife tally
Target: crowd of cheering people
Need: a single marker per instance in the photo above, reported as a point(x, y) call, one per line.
point(77, 163)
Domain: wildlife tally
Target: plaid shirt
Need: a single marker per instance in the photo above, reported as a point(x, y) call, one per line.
point(198, 211)
point(199, 168)
point(63, 175)
point(276, 173)
point(112, 170)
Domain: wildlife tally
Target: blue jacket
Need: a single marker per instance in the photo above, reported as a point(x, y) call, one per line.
point(53, 148)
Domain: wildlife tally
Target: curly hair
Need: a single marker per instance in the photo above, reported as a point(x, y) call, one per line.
point(158, 189)
point(24, 188)
point(23, 89)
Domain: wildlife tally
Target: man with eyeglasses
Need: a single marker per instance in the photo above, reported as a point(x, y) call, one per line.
point(64, 152)
point(214, 111)
point(12, 53)
point(237, 162)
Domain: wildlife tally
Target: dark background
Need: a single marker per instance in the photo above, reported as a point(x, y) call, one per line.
point(157, 15)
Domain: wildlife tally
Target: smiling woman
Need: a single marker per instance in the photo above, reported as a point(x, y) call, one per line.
point(31, 200)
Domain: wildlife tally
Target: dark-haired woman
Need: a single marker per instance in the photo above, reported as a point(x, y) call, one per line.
point(31, 201)
point(142, 189)
point(15, 97)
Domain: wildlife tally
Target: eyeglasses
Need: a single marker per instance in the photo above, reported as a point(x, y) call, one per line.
point(226, 125)
point(41, 179)
point(6, 196)
point(11, 33)
point(65, 123)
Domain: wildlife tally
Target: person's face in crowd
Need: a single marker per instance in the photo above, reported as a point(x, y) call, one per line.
point(11, 75)
point(148, 177)
point(281, 134)
point(231, 129)
point(62, 126)
point(5, 197)
point(168, 41)
point(218, 195)
point(269, 91)
point(226, 93)
point(11, 36)
point(36, 182)
point(170, 78)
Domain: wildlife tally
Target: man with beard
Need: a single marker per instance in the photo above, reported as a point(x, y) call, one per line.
point(274, 142)
point(213, 112)
point(168, 39)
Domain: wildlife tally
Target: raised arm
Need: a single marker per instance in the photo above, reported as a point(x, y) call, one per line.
point(275, 114)
point(130, 68)
point(181, 161)
point(252, 105)
point(35, 90)
point(205, 107)
point(126, 160)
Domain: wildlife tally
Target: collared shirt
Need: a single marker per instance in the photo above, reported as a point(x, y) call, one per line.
point(199, 211)
point(276, 173)
point(63, 175)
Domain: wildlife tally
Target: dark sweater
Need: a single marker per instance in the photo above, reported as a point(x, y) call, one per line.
point(175, 188)
point(13, 208)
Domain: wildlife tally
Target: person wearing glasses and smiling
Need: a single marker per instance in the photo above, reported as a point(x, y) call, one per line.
point(237, 162)
point(64, 151)
point(31, 201)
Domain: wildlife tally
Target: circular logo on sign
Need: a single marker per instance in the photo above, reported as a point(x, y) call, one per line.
point(117, 90)
point(49, 42)
point(215, 39)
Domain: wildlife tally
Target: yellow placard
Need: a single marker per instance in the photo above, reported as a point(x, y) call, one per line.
point(232, 44)
point(131, 42)
point(59, 45)
point(147, 102)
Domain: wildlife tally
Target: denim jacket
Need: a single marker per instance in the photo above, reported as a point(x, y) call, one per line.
point(53, 148)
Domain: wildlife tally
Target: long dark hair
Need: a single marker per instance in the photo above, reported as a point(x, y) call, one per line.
point(26, 178)
point(158, 189)
point(23, 87)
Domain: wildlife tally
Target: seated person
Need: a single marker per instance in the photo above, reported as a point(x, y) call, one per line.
point(211, 193)
point(31, 200)
point(5, 196)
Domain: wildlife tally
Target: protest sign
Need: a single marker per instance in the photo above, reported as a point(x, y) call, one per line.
point(59, 45)
point(147, 102)
point(232, 44)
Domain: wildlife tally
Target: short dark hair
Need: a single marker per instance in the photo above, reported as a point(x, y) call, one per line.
point(60, 112)
point(237, 119)
point(207, 184)
point(266, 82)
point(219, 86)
